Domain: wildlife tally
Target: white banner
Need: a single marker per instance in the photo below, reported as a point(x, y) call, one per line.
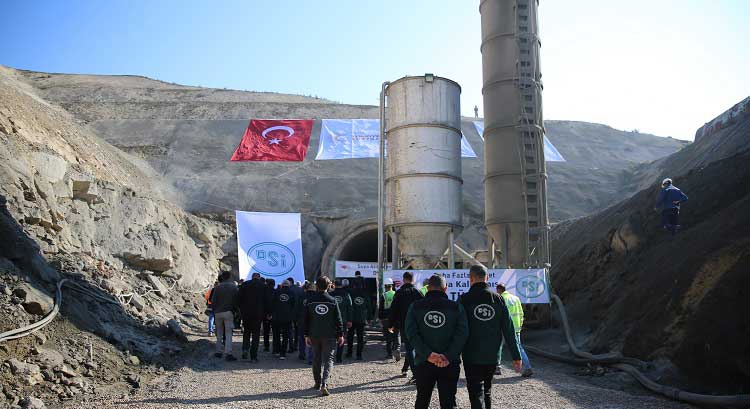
point(530, 285)
point(358, 138)
point(270, 244)
point(346, 269)
point(551, 154)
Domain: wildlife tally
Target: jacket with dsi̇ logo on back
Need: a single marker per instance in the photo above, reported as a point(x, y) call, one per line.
point(345, 303)
point(436, 324)
point(489, 322)
point(360, 305)
point(283, 305)
point(322, 317)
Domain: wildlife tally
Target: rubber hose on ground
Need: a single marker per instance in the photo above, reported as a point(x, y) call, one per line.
point(625, 364)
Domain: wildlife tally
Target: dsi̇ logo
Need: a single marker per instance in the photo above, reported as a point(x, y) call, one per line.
point(271, 259)
point(359, 300)
point(434, 319)
point(530, 287)
point(339, 299)
point(484, 312)
point(321, 309)
point(283, 298)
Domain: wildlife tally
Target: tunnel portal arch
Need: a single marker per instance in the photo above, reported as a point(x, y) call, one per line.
point(358, 242)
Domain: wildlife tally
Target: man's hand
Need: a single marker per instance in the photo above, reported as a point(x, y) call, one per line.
point(439, 360)
point(268, 317)
point(517, 366)
point(340, 341)
point(307, 341)
point(392, 330)
point(348, 324)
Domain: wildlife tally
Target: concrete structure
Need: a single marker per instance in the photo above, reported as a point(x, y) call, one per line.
point(515, 170)
point(423, 178)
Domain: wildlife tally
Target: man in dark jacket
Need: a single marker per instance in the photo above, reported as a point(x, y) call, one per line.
point(489, 323)
point(296, 334)
point(255, 306)
point(402, 300)
point(270, 289)
point(224, 301)
point(669, 200)
point(360, 313)
point(281, 316)
point(305, 351)
point(344, 300)
point(437, 328)
point(323, 331)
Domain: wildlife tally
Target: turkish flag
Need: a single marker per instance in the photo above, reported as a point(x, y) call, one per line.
point(274, 140)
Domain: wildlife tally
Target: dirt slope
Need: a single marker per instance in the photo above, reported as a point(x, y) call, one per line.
point(652, 295)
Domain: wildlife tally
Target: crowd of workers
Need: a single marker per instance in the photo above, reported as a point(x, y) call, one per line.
point(320, 321)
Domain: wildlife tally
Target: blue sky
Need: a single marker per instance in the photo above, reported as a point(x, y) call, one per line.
point(663, 67)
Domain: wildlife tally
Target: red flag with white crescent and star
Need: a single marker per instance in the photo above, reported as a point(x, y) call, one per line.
point(274, 140)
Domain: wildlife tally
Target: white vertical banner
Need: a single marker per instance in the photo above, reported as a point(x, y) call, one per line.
point(270, 244)
point(530, 285)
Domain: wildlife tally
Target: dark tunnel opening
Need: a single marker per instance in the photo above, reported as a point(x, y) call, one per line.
point(362, 247)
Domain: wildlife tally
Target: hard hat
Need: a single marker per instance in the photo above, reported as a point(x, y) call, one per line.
point(666, 181)
point(388, 281)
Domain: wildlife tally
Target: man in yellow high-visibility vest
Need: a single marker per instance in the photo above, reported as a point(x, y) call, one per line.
point(386, 299)
point(516, 314)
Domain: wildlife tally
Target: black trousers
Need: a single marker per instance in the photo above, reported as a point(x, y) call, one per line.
point(359, 328)
point(323, 351)
point(251, 336)
point(281, 332)
point(294, 336)
point(447, 380)
point(266, 334)
point(479, 384)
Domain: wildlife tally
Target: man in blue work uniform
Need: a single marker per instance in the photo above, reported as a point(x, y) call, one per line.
point(323, 331)
point(437, 329)
point(669, 200)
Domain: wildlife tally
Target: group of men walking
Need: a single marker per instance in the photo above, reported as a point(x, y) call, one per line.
point(436, 333)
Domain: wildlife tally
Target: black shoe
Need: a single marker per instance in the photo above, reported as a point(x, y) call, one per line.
point(218, 355)
point(301, 357)
point(244, 355)
point(359, 357)
point(527, 373)
point(230, 358)
point(498, 371)
point(324, 391)
point(316, 387)
point(412, 381)
point(404, 374)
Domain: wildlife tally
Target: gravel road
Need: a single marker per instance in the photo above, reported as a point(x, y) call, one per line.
point(207, 382)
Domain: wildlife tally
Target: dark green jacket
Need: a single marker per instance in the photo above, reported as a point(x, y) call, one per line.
point(360, 305)
point(322, 317)
point(489, 322)
point(283, 305)
point(345, 303)
point(301, 306)
point(436, 324)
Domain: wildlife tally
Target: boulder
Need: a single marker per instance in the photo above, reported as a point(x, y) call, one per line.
point(138, 302)
point(50, 167)
point(34, 301)
point(176, 330)
point(31, 402)
point(159, 287)
point(29, 374)
point(49, 358)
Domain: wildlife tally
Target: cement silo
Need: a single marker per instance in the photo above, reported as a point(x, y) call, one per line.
point(423, 202)
point(515, 171)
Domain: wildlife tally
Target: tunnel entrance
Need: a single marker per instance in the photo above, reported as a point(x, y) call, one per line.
point(356, 243)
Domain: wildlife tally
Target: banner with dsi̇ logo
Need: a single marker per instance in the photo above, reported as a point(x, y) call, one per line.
point(530, 285)
point(270, 244)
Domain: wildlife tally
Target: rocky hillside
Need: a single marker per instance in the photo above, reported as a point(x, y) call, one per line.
point(651, 295)
point(187, 134)
point(71, 205)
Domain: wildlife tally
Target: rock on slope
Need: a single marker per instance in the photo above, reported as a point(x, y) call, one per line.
point(651, 295)
point(72, 205)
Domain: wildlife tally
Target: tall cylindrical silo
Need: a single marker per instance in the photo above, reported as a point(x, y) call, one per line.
point(423, 175)
point(515, 174)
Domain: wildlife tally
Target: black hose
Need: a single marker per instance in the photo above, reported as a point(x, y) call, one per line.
point(630, 366)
